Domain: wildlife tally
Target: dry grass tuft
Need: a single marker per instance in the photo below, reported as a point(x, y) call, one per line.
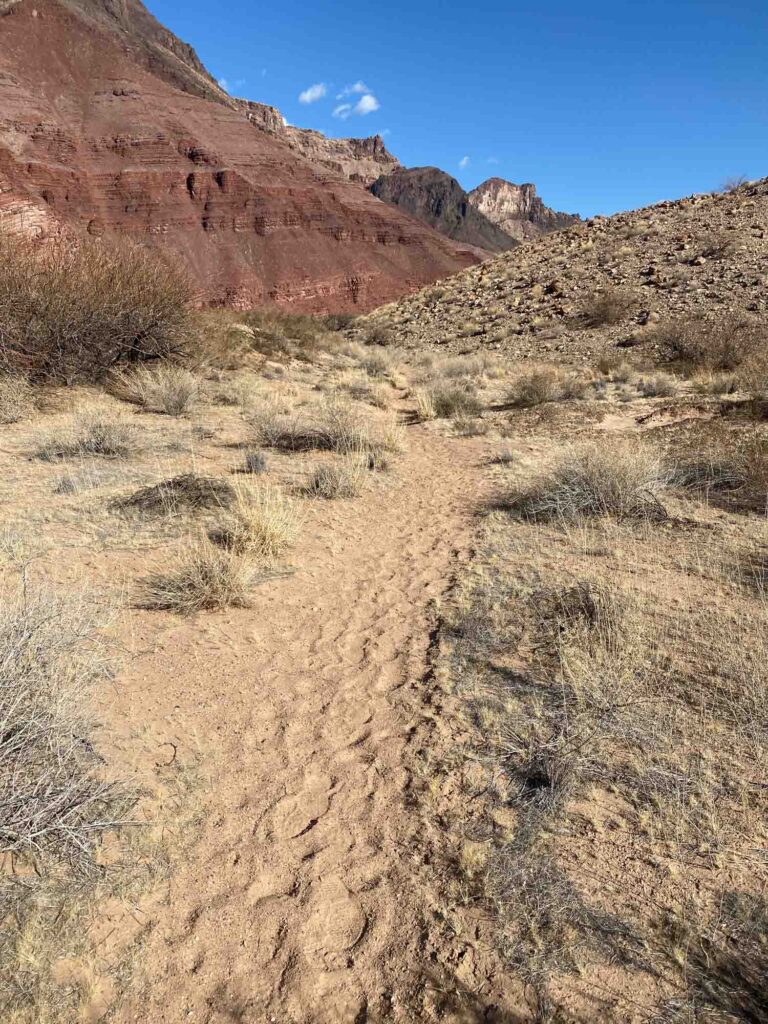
point(594, 480)
point(262, 523)
point(452, 400)
point(698, 344)
point(255, 462)
point(185, 493)
point(16, 398)
point(332, 480)
point(206, 577)
point(54, 801)
point(609, 307)
point(334, 427)
point(90, 433)
point(163, 387)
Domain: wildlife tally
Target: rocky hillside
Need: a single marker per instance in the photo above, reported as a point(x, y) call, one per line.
point(436, 198)
point(517, 210)
point(110, 125)
point(606, 281)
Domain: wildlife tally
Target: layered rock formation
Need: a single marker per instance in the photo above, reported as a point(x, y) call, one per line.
point(439, 200)
point(110, 125)
point(517, 210)
point(360, 160)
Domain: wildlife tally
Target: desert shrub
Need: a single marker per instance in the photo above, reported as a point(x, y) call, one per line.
point(455, 400)
point(470, 426)
point(609, 361)
point(90, 433)
point(276, 333)
point(255, 462)
point(72, 311)
point(54, 800)
point(187, 492)
point(704, 345)
point(205, 577)
point(379, 334)
point(16, 398)
point(332, 427)
point(604, 308)
point(594, 480)
point(338, 321)
point(333, 480)
point(262, 523)
point(162, 387)
point(716, 244)
point(376, 362)
point(535, 388)
point(659, 386)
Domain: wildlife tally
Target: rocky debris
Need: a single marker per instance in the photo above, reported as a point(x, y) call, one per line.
point(517, 210)
point(608, 281)
point(125, 133)
point(436, 198)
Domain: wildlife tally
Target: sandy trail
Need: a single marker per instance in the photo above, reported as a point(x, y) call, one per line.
point(304, 897)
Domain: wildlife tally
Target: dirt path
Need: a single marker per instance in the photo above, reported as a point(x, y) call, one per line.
point(304, 898)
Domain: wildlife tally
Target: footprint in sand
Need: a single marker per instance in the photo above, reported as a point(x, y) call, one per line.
point(336, 923)
point(296, 814)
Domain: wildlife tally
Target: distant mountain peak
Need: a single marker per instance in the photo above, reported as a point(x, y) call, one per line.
point(517, 209)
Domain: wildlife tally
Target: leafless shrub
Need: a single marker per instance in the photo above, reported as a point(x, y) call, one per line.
point(54, 800)
point(535, 388)
point(276, 333)
point(716, 245)
point(90, 433)
point(734, 182)
point(659, 386)
point(205, 578)
point(185, 493)
point(605, 308)
point(700, 344)
point(255, 462)
point(594, 480)
point(16, 398)
point(73, 310)
point(162, 387)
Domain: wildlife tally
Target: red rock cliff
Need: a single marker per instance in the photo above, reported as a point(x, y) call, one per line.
point(109, 124)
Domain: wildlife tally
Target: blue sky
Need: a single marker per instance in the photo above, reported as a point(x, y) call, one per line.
point(606, 106)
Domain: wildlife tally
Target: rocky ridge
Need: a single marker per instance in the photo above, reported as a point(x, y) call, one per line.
point(702, 256)
point(436, 198)
point(517, 209)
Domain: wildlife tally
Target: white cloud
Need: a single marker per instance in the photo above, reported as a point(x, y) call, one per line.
point(356, 89)
point(464, 162)
point(385, 132)
point(367, 104)
point(263, 72)
point(229, 85)
point(224, 84)
point(492, 160)
point(343, 111)
point(313, 93)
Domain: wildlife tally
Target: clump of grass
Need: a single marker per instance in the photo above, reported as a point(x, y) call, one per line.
point(706, 471)
point(470, 426)
point(333, 480)
point(206, 577)
point(377, 362)
point(262, 523)
point(661, 385)
point(72, 310)
point(187, 492)
point(425, 406)
point(54, 800)
point(333, 427)
point(276, 333)
point(452, 400)
point(163, 387)
point(91, 433)
point(594, 480)
point(16, 398)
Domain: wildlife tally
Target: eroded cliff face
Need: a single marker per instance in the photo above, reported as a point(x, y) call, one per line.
point(517, 209)
point(96, 138)
point(436, 198)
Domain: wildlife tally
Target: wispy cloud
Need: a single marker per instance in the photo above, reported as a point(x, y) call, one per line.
point(464, 162)
point(356, 89)
point(343, 111)
point(229, 85)
point(367, 104)
point(313, 93)
point(492, 160)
